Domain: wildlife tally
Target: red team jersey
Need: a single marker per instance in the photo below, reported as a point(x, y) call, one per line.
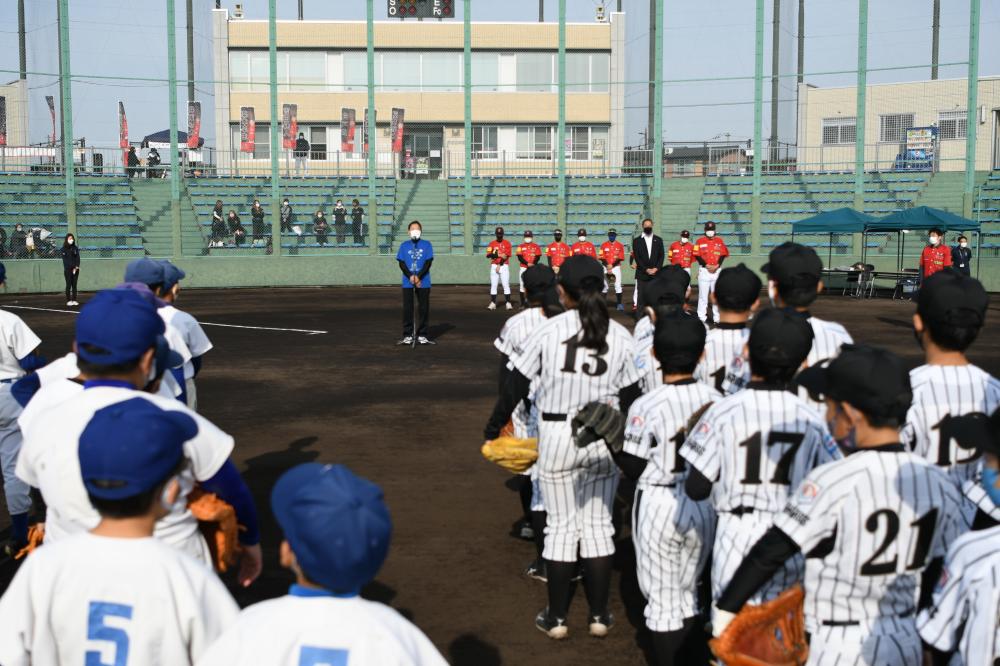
point(495, 249)
point(933, 259)
point(612, 253)
point(681, 254)
point(585, 248)
point(710, 249)
point(529, 253)
point(557, 253)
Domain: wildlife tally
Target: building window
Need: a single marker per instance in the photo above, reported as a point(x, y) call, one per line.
point(892, 128)
point(306, 71)
point(952, 125)
point(577, 72)
point(484, 143)
point(600, 72)
point(839, 130)
point(485, 72)
point(317, 143)
point(261, 145)
point(356, 71)
point(534, 143)
point(579, 143)
point(400, 71)
point(534, 72)
point(441, 72)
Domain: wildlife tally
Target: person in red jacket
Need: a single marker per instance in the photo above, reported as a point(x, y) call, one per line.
point(583, 246)
point(612, 256)
point(528, 254)
point(710, 251)
point(935, 257)
point(681, 253)
point(557, 252)
point(499, 252)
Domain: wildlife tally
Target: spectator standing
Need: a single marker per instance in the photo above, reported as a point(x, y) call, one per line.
point(131, 162)
point(19, 242)
point(301, 155)
point(219, 231)
point(321, 228)
point(71, 267)
point(340, 221)
point(287, 215)
point(936, 255)
point(257, 221)
point(357, 222)
point(961, 257)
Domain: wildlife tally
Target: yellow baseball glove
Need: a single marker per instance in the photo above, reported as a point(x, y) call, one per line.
point(771, 634)
point(514, 455)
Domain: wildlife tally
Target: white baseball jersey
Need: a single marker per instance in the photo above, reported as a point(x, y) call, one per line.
point(49, 462)
point(756, 446)
point(566, 375)
point(828, 338)
point(939, 394)
point(967, 600)
point(16, 342)
point(100, 600)
point(651, 373)
point(657, 426)
point(888, 514)
point(722, 344)
point(190, 331)
point(321, 631)
point(517, 329)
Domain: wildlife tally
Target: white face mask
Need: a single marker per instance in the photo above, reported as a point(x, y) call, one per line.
point(685, 240)
point(71, 241)
point(415, 234)
point(528, 239)
point(583, 239)
point(710, 234)
point(963, 244)
point(934, 240)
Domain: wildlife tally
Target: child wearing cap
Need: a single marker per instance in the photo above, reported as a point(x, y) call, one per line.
point(666, 289)
point(115, 594)
point(737, 296)
point(528, 254)
point(499, 252)
point(337, 530)
point(557, 251)
point(612, 255)
point(951, 311)
point(188, 327)
point(582, 246)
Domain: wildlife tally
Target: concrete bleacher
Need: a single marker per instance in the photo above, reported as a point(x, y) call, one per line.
point(785, 198)
point(988, 214)
point(106, 216)
point(305, 196)
point(520, 204)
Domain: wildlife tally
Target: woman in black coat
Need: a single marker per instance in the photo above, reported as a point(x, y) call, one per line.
point(321, 228)
point(218, 225)
point(19, 242)
point(71, 267)
point(257, 221)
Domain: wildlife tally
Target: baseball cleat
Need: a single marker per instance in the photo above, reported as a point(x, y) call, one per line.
point(407, 340)
point(491, 306)
point(635, 308)
point(553, 627)
point(537, 571)
point(425, 341)
point(600, 624)
point(525, 531)
point(509, 306)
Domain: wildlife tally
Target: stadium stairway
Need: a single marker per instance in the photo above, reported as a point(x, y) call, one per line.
point(425, 200)
point(679, 207)
point(987, 211)
point(944, 191)
point(152, 207)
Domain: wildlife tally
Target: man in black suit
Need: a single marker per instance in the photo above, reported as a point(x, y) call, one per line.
point(649, 257)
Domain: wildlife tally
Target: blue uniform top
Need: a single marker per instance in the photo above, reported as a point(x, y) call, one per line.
point(415, 255)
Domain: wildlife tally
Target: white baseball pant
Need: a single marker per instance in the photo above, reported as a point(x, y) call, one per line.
point(525, 422)
point(635, 294)
point(673, 538)
point(191, 392)
point(734, 537)
point(520, 278)
point(579, 490)
point(499, 275)
point(15, 490)
point(617, 272)
point(886, 642)
point(706, 285)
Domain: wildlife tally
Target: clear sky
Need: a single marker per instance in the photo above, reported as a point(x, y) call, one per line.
point(701, 39)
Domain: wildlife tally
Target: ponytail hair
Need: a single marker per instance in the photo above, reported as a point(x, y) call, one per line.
point(593, 311)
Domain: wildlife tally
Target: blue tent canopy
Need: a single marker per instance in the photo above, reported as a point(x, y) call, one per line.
point(923, 217)
point(839, 221)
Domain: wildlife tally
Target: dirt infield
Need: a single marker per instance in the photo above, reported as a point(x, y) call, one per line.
point(412, 421)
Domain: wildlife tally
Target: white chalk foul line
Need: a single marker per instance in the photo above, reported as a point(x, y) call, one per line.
point(203, 323)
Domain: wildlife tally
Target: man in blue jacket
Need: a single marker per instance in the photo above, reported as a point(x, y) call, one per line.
point(415, 257)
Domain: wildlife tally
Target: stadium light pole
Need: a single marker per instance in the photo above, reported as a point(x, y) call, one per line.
point(190, 50)
point(371, 128)
point(66, 109)
point(22, 52)
point(935, 37)
point(657, 138)
point(467, 86)
point(561, 134)
point(861, 109)
point(775, 66)
point(272, 51)
point(758, 130)
point(175, 160)
point(971, 107)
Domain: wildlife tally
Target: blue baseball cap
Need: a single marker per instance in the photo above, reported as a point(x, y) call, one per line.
point(145, 270)
point(130, 447)
point(336, 523)
point(143, 290)
point(166, 357)
point(117, 326)
point(171, 274)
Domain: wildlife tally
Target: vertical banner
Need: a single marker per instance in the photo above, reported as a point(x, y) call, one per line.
point(194, 124)
point(397, 130)
point(3, 121)
point(248, 129)
point(289, 125)
point(51, 101)
point(365, 128)
point(122, 127)
point(348, 120)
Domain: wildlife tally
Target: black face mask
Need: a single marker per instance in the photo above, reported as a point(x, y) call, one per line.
point(499, 236)
point(558, 237)
point(647, 230)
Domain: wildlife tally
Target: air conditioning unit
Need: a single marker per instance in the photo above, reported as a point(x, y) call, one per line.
point(238, 11)
point(600, 13)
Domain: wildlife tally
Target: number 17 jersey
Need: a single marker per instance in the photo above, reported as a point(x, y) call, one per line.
point(566, 375)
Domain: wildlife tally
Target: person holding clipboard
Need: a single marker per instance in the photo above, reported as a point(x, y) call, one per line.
point(415, 257)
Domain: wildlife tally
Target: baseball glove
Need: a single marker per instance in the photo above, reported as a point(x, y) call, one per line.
point(36, 535)
point(597, 421)
point(513, 454)
point(217, 522)
point(771, 634)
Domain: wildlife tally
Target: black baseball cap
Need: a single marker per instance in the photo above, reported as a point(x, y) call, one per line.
point(679, 338)
point(668, 287)
point(710, 226)
point(685, 234)
point(581, 232)
point(736, 288)
point(794, 265)
point(538, 278)
point(872, 379)
point(780, 338)
point(576, 271)
point(952, 298)
point(498, 230)
point(977, 431)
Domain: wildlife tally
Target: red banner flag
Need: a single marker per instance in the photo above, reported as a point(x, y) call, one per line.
point(397, 130)
point(289, 125)
point(3, 121)
point(122, 127)
point(347, 128)
point(248, 129)
point(194, 125)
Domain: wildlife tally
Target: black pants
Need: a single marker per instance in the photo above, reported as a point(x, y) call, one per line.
point(356, 228)
point(424, 297)
point(341, 229)
point(71, 279)
point(321, 237)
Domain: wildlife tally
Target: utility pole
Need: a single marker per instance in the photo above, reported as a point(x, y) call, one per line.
point(190, 50)
point(619, 6)
point(300, 10)
point(935, 38)
point(22, 53)
point(775, 65)
point(653, 39)
point(802, 42)
point(541, 11)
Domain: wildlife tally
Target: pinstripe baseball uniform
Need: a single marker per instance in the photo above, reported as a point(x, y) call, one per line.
point(651, 375)
point(722, 344)
point(672, 533)
point(755, 446)
point(870, 523)
point(578, 484)
point(967, 601)
point(940, 393)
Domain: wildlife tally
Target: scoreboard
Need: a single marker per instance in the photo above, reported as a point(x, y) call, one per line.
point(420, 9)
